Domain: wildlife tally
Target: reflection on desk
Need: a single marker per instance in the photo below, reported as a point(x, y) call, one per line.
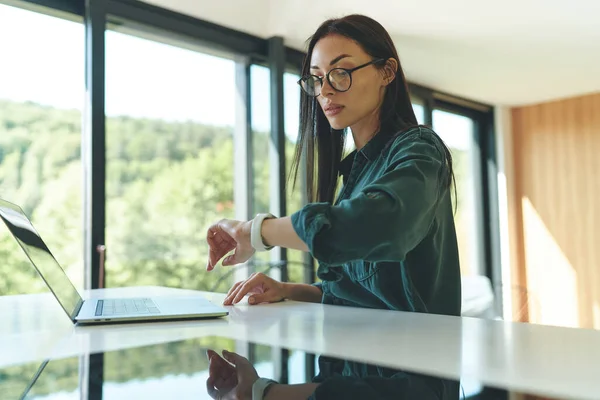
point(541, 360)
point(176, 370)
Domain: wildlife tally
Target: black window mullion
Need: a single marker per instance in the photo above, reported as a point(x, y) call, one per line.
point(94, 162)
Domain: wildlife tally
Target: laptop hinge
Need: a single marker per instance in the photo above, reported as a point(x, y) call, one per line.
point(76, 312)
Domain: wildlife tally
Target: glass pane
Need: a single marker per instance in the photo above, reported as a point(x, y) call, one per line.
point(294, 195)
point(457, 132)
point(169, 140)
point(261, 131)
point(41, 102)
point(419, 110)
point(263, 360)
point(297, 368)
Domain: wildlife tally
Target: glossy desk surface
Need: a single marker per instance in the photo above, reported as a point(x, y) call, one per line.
point(536, 359)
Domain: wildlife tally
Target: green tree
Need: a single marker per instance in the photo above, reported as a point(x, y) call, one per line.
point(166, 182)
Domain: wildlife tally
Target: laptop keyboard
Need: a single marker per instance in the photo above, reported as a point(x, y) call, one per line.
point(112, 307)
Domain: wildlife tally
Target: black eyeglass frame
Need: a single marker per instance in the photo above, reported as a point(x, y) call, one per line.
point(349, 71)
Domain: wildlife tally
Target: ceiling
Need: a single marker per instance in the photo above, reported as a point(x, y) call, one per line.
point(505, 53)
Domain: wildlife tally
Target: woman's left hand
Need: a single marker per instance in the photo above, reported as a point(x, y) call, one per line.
point(230, 380)
point(225, 236)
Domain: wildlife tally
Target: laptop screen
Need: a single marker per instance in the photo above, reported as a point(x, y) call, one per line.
point(40, 256)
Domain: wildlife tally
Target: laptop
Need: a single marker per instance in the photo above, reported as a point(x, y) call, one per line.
point(102, 310)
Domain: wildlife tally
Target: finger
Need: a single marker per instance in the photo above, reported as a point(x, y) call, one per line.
point(214, 368)
point(220, 383)
point(211, 353)
point(210, 233)
point(232, 231)
point(219, 233)
point(221, 365)
point(229, 300)
point(232, 290)
point(229, 260)
point(267, 297)
point(234, 293)
point(234, 358)
point(215, 254)
point(219, 372)
point(247, 286)
point(210, 388)
point(210, 239)
point(228, 226)
point(231, 380)
point(242, 254)
point(213, 258)
point(220, 243)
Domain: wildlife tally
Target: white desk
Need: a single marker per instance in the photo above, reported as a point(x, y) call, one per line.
point(535, 359)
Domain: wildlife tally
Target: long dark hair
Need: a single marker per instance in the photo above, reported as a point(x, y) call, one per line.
point(316, 136)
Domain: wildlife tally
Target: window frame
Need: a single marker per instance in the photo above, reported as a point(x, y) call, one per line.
point(272, 52)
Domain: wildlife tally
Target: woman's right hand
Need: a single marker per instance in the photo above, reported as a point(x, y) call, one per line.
point(262, 289)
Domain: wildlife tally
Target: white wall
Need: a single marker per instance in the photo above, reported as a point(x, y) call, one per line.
point(510, 53)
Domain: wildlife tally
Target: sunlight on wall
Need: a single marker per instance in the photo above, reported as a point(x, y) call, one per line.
point(596, 315)
point(551, 279)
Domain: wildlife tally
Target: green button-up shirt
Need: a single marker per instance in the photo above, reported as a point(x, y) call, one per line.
point(388, 242)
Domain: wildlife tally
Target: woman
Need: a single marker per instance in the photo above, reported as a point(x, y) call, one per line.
point(388, 241)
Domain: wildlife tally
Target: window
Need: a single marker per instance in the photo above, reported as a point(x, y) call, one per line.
point(457, 131)
point(169, 131)
point(419, 110)
point(261, 137)
point(170, 108)
point(295, 197)
point(41, 102)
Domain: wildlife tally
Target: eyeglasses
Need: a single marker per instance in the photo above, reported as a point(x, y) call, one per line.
point(340, 79)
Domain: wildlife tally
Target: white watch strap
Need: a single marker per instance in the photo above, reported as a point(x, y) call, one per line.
point(255, 233)
point(259, 387)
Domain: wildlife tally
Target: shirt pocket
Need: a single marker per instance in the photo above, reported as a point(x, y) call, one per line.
point(359, 271)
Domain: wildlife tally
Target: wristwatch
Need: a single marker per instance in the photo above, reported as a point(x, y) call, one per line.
point(256, 239)
point(260, 388)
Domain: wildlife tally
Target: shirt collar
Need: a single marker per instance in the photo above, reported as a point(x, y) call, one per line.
point(346, 166)
point(370, 151)
point(373, 148)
